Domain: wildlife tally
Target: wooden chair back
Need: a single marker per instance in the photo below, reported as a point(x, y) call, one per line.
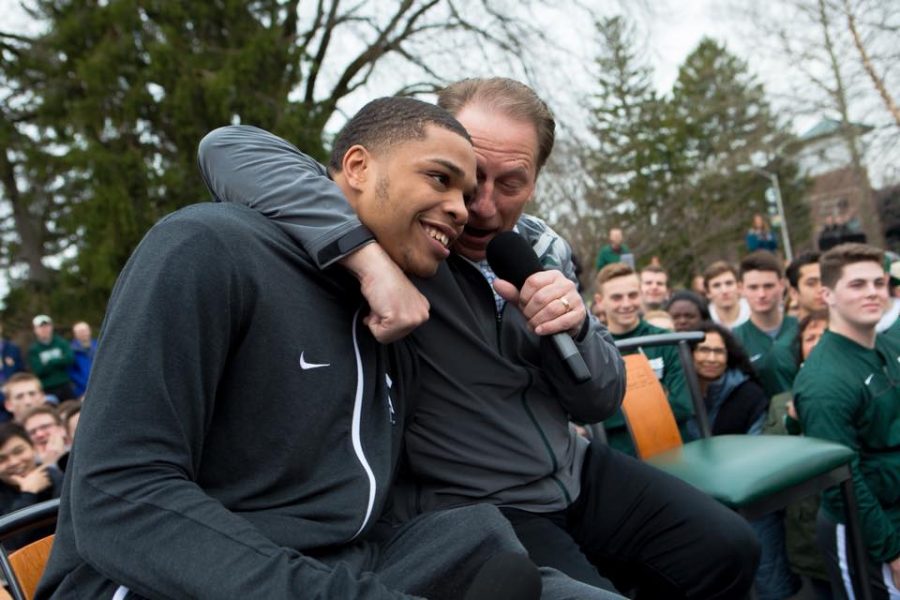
point(29, 561)
point(646, 408)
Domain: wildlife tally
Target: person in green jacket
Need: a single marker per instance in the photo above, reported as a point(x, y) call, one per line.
point(615, 251)
point(769, 334)
point(50, 357)
point(847, 392)
point(618, 293)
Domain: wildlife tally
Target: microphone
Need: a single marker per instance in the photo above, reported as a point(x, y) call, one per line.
point(506, 576)
point(512, 258)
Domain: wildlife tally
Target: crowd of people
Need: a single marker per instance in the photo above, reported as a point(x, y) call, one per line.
point(41, 404)
point(338, 397)
point(758, 373)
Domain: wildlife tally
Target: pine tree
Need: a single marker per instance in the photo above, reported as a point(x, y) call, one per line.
point(723, 127)
point(629, 122)
point(678, 173)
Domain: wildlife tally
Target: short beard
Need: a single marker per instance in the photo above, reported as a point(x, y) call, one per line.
point(381, 189)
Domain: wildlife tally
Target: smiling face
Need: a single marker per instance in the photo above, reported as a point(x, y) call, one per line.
point(413, 196)
point(711, 357)
point(506, 150)
point(859, 296)
point(41, 427)
point(620, 299)
point(763, 291)
point(17, 457)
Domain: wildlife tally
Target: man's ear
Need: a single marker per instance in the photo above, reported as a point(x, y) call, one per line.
point(598, 298)
point(356, 167)
point(7, 405)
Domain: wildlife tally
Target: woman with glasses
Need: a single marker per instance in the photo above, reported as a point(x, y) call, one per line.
point(735, 402)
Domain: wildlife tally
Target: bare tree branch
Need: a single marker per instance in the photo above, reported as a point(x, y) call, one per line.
point(290, 20)
point(869, 67)
point(381, 46)
point(313, 28)
point(17, 37)
point(329, 25)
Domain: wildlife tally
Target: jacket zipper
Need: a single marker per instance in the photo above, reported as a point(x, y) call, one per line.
point(524, 401)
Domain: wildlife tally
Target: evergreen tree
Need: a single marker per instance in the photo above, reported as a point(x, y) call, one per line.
point(723, 127)
point(106, 105)
point(678, 173)
point(628, 165)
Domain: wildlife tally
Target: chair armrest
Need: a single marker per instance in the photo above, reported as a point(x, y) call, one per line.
point(660, 339)
point(36, 515)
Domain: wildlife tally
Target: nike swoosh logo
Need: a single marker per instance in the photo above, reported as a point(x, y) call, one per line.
point(755, 357)
point(308, 365)
point(869, 378)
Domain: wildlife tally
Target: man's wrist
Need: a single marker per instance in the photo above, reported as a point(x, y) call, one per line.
point(367, 261)
point(346, 244)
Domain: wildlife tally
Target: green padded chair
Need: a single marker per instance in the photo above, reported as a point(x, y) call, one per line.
point(753, 475)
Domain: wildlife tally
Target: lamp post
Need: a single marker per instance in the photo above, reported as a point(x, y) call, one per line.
point(785, 236)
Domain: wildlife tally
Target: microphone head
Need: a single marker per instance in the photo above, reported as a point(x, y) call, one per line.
point(506, 576)
point(512, 258)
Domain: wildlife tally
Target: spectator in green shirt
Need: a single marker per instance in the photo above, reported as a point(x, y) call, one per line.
point(618, 293)
point(615, 251)
point(847, 391)
point(805, 284)
point(50, 357)
point(768, 335)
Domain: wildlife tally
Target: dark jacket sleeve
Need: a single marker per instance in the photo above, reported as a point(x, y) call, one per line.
point(249, 166)
point(14, 501)
point(744, 411)
point(12, 359)
point(138, 514)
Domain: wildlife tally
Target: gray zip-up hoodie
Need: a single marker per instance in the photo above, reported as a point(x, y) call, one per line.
point(240, 417)
point(494, 401)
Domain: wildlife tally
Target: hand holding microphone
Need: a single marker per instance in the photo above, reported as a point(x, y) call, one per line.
point(547, 299)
